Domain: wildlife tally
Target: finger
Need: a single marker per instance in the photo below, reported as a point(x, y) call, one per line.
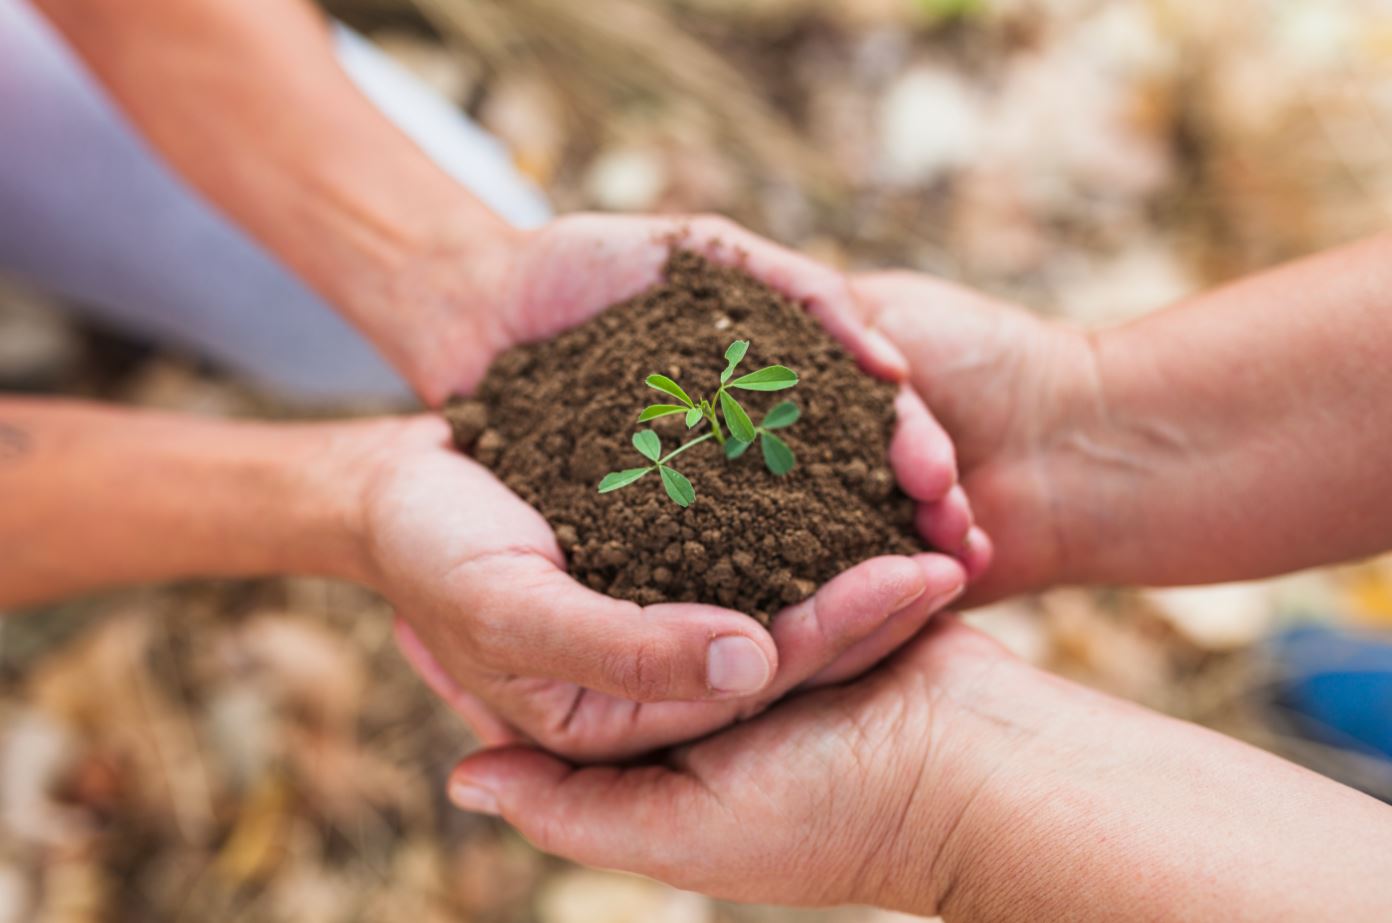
point(977, 554)
point(946, 525)
point(946, 578)
point(601, 816)
point(822, 290)
point(921, 452)
point(488, 728)
point(850, 608)
point(809, 635)
point(526, 617)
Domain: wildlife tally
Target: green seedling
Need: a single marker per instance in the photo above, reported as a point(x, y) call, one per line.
point(722, 406)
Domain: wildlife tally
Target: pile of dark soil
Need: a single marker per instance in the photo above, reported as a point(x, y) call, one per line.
point(552, 418)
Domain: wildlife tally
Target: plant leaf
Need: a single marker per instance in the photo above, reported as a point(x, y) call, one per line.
point(648, 444)
point(779, 458)
point(781, 415)
point(678, 487)
point(616, 479)
point(741, 427)
point(692, 418)
point(770, 378)
point(668, 386)
point(733, 355)
point(653, 411)
point(734, 448)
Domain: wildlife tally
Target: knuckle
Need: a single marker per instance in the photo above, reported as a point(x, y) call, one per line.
point(643, 673)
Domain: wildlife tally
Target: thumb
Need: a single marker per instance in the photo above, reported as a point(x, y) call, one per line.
point(526, 617)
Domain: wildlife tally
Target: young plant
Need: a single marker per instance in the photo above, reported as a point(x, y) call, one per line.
point(722, 406)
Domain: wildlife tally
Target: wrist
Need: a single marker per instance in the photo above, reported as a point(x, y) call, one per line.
point(981, 704)
point(1031, 487)
point(436, 302)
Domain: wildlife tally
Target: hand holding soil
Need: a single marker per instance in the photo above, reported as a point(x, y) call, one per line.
point(595, 677)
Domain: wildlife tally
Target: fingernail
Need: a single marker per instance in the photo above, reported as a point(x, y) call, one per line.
point(909, 598)
point(736, 664)
point(469, 797)
point(886, 353)
point(945, 599)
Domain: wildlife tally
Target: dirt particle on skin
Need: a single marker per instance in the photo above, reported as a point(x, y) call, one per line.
point(557, 416)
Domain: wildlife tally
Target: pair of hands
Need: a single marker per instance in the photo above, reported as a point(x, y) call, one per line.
point(785, 807)
point(488, 615)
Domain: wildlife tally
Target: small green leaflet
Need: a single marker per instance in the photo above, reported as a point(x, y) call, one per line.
point(678, 487)
point(734, 448)
point(777, 455)
point(693, 417)
point(668, 386)
point(781, 415)
point(654, 411)
point(771, 378)
point(741, 427)
point(618, 479)
point(648, 444)
point(733, 355)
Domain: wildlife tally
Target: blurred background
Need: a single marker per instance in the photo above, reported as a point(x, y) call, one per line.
point(258, 751)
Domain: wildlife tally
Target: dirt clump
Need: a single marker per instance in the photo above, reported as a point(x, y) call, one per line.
point(551, 419)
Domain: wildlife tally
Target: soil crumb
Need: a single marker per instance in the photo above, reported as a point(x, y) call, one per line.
point(550, 419)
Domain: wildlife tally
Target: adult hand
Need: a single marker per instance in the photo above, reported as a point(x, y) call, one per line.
point(844, 795)
point(1015, 392)
point(959, 781)
point(486, 639)
point(522, 651)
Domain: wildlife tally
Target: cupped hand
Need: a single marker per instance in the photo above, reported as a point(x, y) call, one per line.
point(1012, 390)
point(847, 794)
point(524, 652)
point(493, 622)
point(564, 273)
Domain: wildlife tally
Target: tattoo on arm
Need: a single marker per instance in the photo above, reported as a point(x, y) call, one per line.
point(14, 442)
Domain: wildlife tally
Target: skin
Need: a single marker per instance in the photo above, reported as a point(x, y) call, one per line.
point(956, 780)
point(1011, 794)
point(1182, 448)
point(246, 100)
point(1240, 434)
point(390, 504)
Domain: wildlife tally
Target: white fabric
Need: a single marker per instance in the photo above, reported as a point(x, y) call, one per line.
point(88, 211)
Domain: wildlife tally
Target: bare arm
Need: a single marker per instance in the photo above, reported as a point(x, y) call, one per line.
point(959, 781)
point(92, 496)
point(1243, 433)
point(245, 99)
point(1248, 431)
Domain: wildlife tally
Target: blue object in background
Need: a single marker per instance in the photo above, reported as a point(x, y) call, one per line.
point(1336, 686)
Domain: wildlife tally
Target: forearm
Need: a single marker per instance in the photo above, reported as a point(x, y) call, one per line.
point(1097, 810)
point(1245, 433)
point(93, 497)
point(246, 100)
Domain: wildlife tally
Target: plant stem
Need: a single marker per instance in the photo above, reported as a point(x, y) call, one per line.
point(677, 451)
point(714, 422)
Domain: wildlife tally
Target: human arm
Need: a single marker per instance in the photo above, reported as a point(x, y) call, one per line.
point(246, 100)
point(92, 496)
point(1239, 434)
point(960, 781)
